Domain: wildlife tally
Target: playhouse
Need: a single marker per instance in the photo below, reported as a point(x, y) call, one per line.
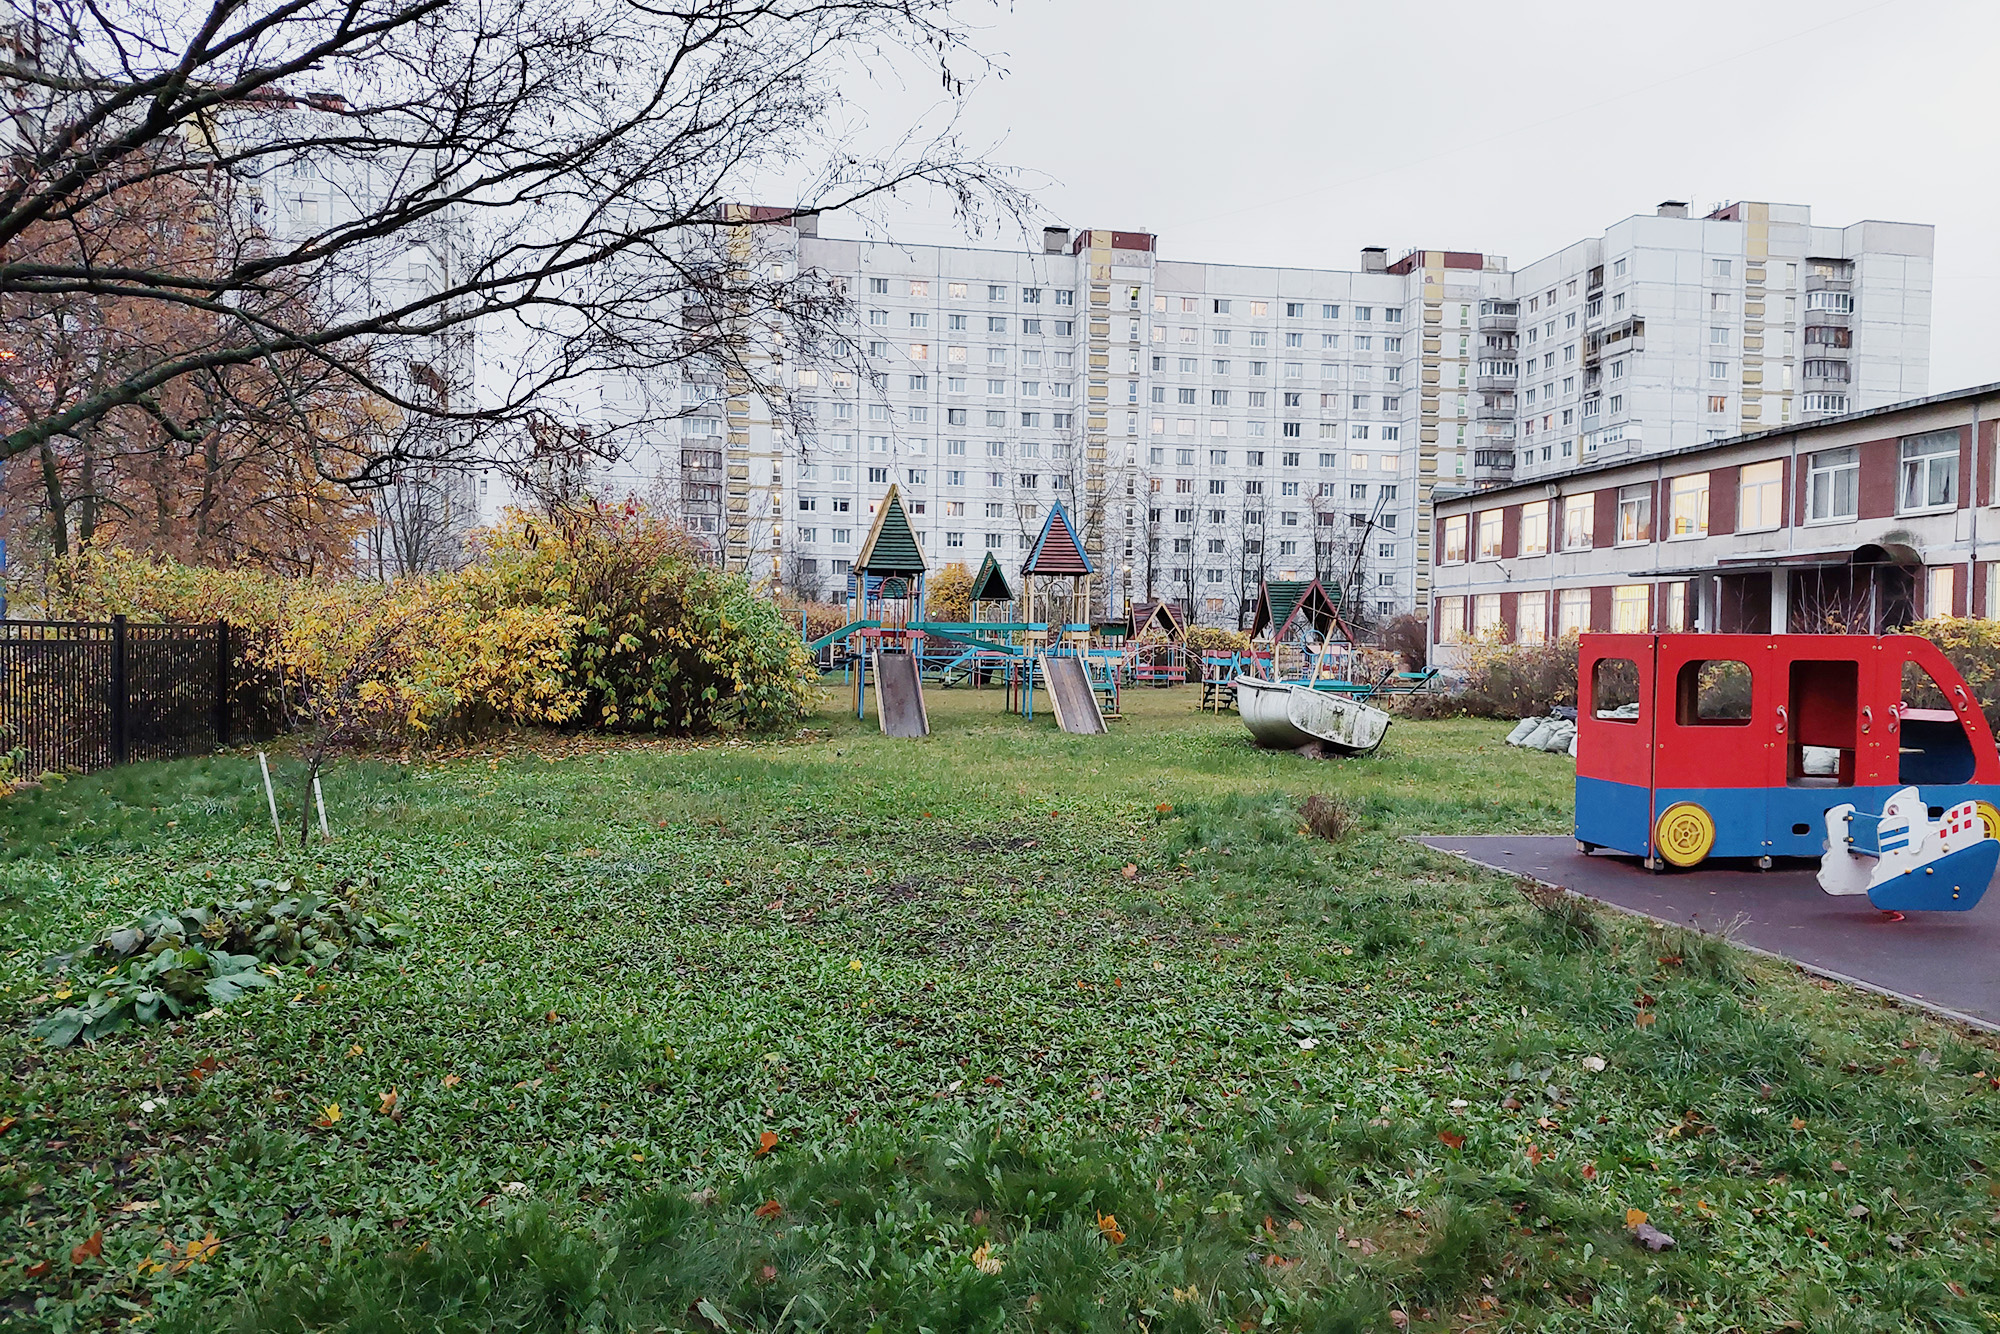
point(1301, 623)
point(888, 598)
point(1692, 746)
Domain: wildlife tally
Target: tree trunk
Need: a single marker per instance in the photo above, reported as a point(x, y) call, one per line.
point(58, 510)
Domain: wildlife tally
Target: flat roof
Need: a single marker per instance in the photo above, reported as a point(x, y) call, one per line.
point(1685, 451)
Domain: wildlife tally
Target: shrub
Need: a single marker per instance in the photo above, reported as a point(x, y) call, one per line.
point(1505, 681)
point(948, 594)
point(1209, 639)
point(1973, 647)
point(1408, 638)
point(1332, 818)
point(664, 643)
point(387, 662)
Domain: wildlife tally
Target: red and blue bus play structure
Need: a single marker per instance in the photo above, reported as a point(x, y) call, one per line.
point(1692, 746)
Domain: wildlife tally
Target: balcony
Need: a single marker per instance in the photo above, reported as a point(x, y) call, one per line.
point(1494, 407)
point(1492, 467)
point(1487, 384)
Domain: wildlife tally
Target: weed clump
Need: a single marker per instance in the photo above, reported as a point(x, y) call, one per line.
point(1332, 818)
point(1562, 920)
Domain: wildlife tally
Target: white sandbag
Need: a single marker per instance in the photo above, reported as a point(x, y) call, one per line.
point(1538, 738)
point(1558, 738)
point(1521, 730)
point(1572, 747)
point(1819, 761)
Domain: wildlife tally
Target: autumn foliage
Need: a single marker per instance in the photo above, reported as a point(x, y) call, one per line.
point(604, 619)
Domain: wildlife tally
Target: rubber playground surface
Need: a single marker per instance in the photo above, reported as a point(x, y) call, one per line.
point(1945, 961)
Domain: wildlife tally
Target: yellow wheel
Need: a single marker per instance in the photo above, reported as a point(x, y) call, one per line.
point(1989, 817)
point(1684, 834)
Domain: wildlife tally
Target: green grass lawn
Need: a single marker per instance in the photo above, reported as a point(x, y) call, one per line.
point(1005, 1028)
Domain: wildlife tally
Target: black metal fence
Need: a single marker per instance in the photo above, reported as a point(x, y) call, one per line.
point(77, 696)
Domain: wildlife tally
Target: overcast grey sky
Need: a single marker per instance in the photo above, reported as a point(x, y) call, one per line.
point(1296, 133)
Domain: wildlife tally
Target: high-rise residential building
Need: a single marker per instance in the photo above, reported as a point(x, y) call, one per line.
point(1670, 330)
point(1212, 425)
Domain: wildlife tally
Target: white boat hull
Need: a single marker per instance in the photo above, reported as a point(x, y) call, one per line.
point(1286, 717)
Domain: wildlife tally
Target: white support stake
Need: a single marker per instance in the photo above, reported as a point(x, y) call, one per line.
point(319, 800)
point(271, 796)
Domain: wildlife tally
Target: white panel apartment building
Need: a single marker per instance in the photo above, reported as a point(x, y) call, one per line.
point(1669, 331)
point(1213, 424)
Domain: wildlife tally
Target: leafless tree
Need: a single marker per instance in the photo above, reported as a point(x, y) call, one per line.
point(381, 176)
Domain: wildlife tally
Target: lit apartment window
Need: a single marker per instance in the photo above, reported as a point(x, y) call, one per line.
point(1929, 476)
point(1629, 608)
point(1940, 586)
point(1489, 534)
point(1535, 528)
point(1688, 505)
point(1573, 611)
point(1451, 620)
point(1635, 514)
point(1486, 615)
point(1579, 517)
point(1531, 618)
point(1760, 496)
point(1833, 485)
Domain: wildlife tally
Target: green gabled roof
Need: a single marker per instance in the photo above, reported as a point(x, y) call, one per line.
point(891, 547)
point(1282, 601)
point(990, 584)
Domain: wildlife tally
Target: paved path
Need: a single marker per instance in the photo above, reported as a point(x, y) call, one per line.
point(1942, 961)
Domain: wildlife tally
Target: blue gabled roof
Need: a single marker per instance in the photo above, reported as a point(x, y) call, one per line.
point(1058, 550)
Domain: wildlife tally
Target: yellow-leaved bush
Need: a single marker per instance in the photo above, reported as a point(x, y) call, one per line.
point(403, 660)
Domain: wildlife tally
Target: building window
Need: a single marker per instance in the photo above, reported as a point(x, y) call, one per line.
point(1579, 517)
point(1833, 485)
point(1635, 514)
point(1760, 496)
point(1531, 618)
point(1718, 403)
point(1940, 584)
point(1490, 528)
point(1688, 505)
point(1929, 476)
point(1573, 612)
point(1451, 620)
point(1629, 609)
point(1486, 615)
point(1535, 528)
point(1454, 540)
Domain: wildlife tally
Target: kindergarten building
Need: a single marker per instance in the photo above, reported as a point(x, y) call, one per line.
point(1859, 523)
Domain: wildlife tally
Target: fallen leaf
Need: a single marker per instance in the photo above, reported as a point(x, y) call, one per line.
point(1131, 869)
point(1652, 1238)
point(1450, 1140)
point(1594, 1064)
point(1164, 807)
point(1590, 1171)
point(1634, 1217)
point(89, 1250)
point(1857, 1211)
point(1535, 1155)
point(355, 1050)
point(1645, 1019)
point(451, 1081)
point(6, 1124)
point(1798, 1123)
point(1399, 1320)
point(769, 1209)
point(137, 1206)
point(39, 1268)
point(330, 1116)
point(205, 1249)
point(1107, 1226)
point(766, 1142)
point(205, 1067)
point(388, 1102)
point(1839, 1166)
point(855, 966)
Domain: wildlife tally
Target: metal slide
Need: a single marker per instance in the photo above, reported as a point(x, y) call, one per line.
point(1075, 702)
point(899, 695)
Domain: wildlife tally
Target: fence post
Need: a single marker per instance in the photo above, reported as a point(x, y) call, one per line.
point(221, 682)
point(119, 701)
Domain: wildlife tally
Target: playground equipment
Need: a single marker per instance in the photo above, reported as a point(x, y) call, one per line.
point(888, 580)
point(1301, 623)
point(1157, 645)
point(1904, 861)
point(1287, 716)
point(1055, 583)
point(1698, 745)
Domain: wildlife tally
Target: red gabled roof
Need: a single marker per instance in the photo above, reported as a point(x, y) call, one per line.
point(1057, 550)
